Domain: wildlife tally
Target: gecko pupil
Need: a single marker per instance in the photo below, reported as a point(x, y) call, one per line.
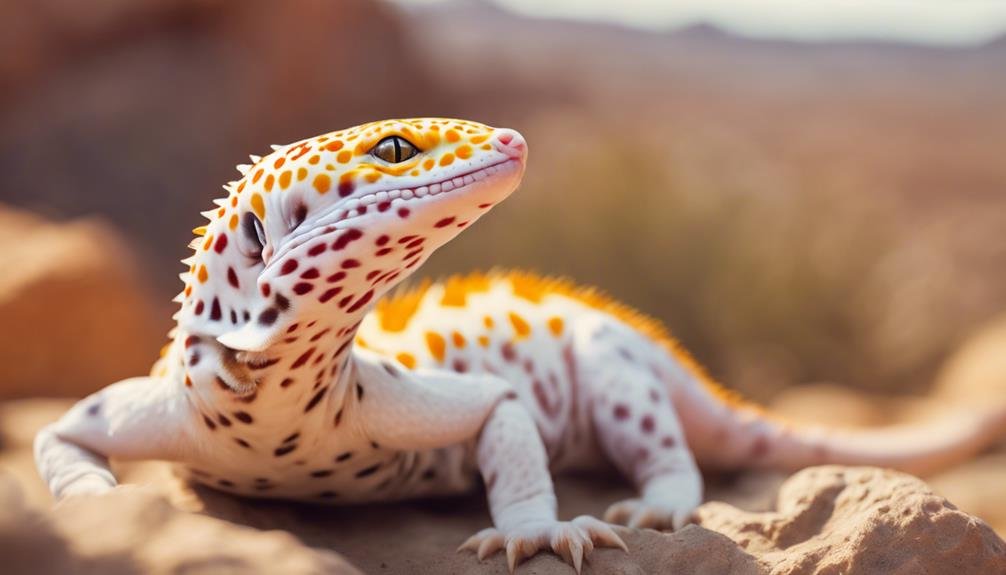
point(394, 149)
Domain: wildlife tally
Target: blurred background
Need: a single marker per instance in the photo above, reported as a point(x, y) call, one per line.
point(811, 195)
point(801, 193)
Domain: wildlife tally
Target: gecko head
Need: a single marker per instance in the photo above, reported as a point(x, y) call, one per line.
point(322, 227)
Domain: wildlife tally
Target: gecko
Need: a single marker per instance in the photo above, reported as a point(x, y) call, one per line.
point(294, 372)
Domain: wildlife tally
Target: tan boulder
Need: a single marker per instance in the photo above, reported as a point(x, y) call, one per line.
point(74, 315)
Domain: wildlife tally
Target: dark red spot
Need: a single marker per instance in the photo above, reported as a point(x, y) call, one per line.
point(321, 333)
point(288, 267)
point(317, 250)
point(283, 450)
point(221, 244)
point(303, 358)
point(282, 303)
point(223, 420)
point(338, 420)
point(342, 348)
point(383, 252)
point(368, 470)
point(329, 294)
point(314, 400)
point(347, 237)
point(242, 443)
point(460, 366)
point(361, 302)
point(415, 243)
point(199, 307)
point(372, 274)
point(286, 383)
point(403, 212)
point(667, 442)
point(406, 239)
point(310, 274)
point(337, 276)
point(268, 316)
point(232, 278)
point(215, 312)
point(508, 352)
point(293, 327)
point(647, 424)
point(243, 417)
point(191, 340)
point(621, 412)
point(484, 206)
point(412, 254)
point(345, 188)
point(444, 222)
point(350, 264)
point(322, 473)
point(266, 290)
point(209, 422)
point(382, 240)
point(383, 206)
point(302, 288)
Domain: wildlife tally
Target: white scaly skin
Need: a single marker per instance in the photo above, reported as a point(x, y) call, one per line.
point(263, 392)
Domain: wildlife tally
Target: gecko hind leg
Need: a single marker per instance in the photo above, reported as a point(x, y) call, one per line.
point(639, 431)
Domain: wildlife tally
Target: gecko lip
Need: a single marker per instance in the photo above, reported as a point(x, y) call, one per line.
point(326, 224)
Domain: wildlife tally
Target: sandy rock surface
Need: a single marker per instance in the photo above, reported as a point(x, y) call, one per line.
point(826, 520)
point(50, 348)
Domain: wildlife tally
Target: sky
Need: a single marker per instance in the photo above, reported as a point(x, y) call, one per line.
point(923, 21)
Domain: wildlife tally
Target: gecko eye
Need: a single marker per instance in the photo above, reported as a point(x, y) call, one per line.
point(255, 233)
point(394, 149)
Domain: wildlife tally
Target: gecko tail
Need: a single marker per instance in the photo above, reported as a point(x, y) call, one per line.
point(744, 436)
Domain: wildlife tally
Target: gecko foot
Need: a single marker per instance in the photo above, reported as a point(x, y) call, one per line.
point(642, 514)
point(572, 540)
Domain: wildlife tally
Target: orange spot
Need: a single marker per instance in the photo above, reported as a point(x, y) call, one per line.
point(520, 325)
point(372, 177)
point(437, 345)
point(486, 147)
point(279, 163)
point(555, 325)
point(527, 287)
point(456, 290)
point(451, 136)
point(284, 179)
point(258, 206)
point(234, 222)
point(395, 312)
point(200, 231)
point(334, 146)
point(479, 139)
point(221, 212)
point(258, 175)
point(188, 290)
point(464, 152)
point(344, 156)
point(234, 201)
point(203, 274)
point(269, 181)
point(314, 159)
point(360, 342)
point(322, 183)
point(447, 159)
point(301, 174)
point(414, 173)
point(428, 164)
point(458, 339)
point(484, 340)
point(208, 243)
point(488, 321)
point(241, 186)
point(406, 359)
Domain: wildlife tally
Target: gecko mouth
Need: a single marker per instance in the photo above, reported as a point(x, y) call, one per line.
point(386, 200)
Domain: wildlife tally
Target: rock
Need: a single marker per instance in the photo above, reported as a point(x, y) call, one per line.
point(833, 519)
point(132, 531)
point(75, 315)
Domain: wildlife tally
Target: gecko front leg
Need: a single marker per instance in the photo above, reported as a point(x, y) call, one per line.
point(429, 409)
point(139, 418)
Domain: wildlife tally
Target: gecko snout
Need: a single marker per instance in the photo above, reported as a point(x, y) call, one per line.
point(510, 142)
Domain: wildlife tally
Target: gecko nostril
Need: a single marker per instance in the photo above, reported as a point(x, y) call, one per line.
point(505, 138)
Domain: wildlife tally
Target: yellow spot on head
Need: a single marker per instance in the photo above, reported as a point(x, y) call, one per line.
point(233, 225)
point(555, 325)
point(314, 159)
point(437, 345)
point(208, 243)
point(284, 179)
point(484, 340)
point(269, 180)
point(373, 176)
point(334, 146)
point(301, 174)
point(279, 162)
point(258, 206)
point(344, 156)
point(428, 164)
point(258, 175)
point(322, 183)
point(488, 321)
point(447, 159)
point(451, 136)
point(458, 339)
point(200, 231)
point(520, 325)
point(406, 359)
point(479, 139)
point(464, 152)
point(203, 274)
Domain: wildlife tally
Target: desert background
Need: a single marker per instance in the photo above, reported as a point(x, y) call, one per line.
point(820, 222)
